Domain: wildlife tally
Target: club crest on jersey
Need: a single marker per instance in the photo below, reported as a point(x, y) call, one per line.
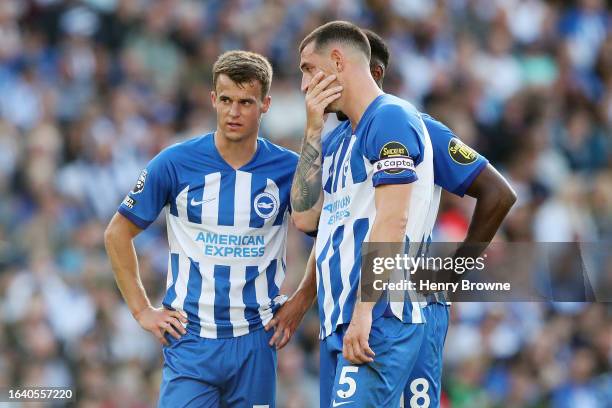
point(265, 205)
point(460, 152)
point(140, 183)
point(394, 159)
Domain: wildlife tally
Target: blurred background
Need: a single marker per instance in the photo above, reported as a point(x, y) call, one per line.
point(90, 90)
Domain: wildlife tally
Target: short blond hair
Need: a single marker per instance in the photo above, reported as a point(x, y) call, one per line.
point(242, 67)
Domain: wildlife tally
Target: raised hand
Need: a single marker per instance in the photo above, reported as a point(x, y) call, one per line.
point(318, 98)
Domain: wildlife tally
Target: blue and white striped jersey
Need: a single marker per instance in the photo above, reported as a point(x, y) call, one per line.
point(389, 146)
point(226, 231)
point(455, 165)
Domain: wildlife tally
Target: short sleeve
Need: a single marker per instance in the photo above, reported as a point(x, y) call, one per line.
point(151, 193)
point(393, 144)
point(456, 165)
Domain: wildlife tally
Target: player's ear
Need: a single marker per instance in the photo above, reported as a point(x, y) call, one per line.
point(213, 99)
point(267, 100)
point(377, 72)
point(337, 59)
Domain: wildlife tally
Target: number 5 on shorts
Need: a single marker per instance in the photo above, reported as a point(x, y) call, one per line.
point(345, 379)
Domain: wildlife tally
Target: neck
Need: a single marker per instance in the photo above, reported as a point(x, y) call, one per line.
point(359, 97)
point(235, 153)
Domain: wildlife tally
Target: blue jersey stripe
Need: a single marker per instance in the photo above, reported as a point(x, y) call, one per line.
point(258, 185)
point(321, 289)
point(330, 179)
point(429, 239)
point(171, 292)
point(270, 274)
point(345, 168)
point(284, 190)
point(249, 297)
point(222, 301)
point(226, 198)
point(360, 229)
point(332, 172)
point(336, 279)
point(338, 169)
point(407, 308)
point(192, 300)
point(358, 169)
point(194, 212)
point(173, 207)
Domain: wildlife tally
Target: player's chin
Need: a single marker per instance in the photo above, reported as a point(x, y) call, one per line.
point(333, 107)
point(330, 109)
point(235, 134)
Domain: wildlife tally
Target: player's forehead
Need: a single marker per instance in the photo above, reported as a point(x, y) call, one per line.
point(309, 56)
point(245, 90)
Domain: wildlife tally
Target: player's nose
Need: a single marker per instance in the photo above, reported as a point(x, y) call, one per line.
point(234, 109)
point(304, 85)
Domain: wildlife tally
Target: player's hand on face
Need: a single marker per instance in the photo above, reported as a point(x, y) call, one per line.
point(318, 96)
point(286, 321)
point(355, 346)
point(160, 320)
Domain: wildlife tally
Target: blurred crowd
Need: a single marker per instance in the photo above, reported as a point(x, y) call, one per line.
point(90, 90)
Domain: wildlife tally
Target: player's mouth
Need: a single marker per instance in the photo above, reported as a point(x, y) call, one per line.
point(234, 125)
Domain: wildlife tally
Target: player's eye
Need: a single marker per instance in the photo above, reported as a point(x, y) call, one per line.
point(247, 103)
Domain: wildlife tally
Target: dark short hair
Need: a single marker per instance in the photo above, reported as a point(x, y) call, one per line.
point(338, 31)
point(380, 50)
point(242, 67)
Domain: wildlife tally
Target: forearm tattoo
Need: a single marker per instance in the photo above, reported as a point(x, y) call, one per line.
point(306, 187)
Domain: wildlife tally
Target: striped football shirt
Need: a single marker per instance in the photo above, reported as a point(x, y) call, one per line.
point(227, 231)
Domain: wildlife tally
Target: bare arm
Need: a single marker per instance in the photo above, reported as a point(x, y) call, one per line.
point(306, 190)
point(494, 198)
point(307, 290)
point(288, 317)
point(118, 240)
point(392, 203)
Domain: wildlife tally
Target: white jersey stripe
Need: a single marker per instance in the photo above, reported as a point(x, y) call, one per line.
point(210, 199)
point(242, 201)
point(181, 281)
point(236, 309)
point(181, 203)
point(206, 311)
point(261, 292)
point(329, 301)
point(346, 252)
